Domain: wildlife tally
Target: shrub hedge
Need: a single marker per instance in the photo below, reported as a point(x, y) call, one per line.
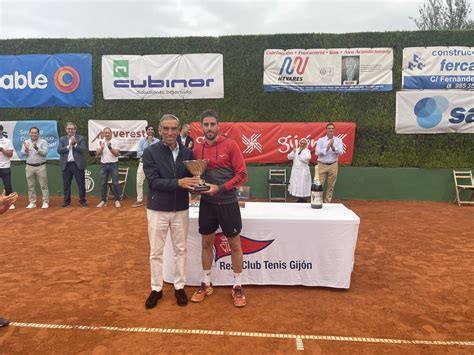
point(374, 113)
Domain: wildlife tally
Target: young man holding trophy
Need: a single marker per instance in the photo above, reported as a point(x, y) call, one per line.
point(219, 205)
point(169, 183)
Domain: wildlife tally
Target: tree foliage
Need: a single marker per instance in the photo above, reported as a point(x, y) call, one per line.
point(444, 15)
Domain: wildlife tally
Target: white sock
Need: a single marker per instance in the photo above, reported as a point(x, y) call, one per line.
point(237, 279)
point(207, 277)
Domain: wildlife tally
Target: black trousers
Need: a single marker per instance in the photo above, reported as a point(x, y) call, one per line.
point(6, 175)
point(79, 174)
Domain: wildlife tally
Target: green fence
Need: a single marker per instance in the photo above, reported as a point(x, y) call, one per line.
point(353, 183)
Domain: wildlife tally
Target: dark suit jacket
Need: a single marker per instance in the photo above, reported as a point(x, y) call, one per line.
point(162, 174)
point(77, 151)
point(186, 142)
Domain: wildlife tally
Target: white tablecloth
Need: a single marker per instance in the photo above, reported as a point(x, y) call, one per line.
point(283, 244)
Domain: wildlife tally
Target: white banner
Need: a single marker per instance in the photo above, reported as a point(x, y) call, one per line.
point(168, 76)
point(320, 253)
point(316, 70)
point(438, 68)
point(128, 133)
point(434, 112)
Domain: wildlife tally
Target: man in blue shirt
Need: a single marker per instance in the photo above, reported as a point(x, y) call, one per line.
point(142, 145)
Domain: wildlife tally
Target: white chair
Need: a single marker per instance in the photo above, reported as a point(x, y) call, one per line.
point(463, 182)
point(277, 182)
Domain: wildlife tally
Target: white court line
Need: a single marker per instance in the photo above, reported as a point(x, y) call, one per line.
point(248, 334)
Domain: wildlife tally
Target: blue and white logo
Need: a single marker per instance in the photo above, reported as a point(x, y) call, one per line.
point(416, 63)
point(429, 111)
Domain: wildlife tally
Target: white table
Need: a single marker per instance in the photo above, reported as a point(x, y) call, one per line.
point(283, 243)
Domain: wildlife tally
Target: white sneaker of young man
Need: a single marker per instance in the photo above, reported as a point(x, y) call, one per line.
point(102, 204)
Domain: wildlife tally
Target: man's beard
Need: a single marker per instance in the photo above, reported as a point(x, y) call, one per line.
point(211, 135)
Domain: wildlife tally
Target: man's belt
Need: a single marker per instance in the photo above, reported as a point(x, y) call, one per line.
point(319, 162)
point(36, 164)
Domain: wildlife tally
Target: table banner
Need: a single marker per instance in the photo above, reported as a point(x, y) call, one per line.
point(438, 68)
point(271, 142)
point(18, 131)
point(127, 132)
point(42, 80)
point(321, 253)
point(167, 76)
point(319, 70)
point(434, 112)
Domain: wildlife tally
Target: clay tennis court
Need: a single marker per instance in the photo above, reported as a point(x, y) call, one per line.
point(75, 281)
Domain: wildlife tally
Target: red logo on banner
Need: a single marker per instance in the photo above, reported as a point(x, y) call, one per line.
point(271, 142)
point(249, 246)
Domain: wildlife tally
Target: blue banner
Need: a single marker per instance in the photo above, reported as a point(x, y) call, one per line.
point(18, 131)
point(328, 88)
point(439, 82)
point(41, 80)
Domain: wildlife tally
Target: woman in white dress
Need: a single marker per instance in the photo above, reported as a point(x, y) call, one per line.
point(300, 179)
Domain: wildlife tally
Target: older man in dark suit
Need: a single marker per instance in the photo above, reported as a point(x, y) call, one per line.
point(71, 150)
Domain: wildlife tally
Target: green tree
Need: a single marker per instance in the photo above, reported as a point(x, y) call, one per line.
point(444, 15)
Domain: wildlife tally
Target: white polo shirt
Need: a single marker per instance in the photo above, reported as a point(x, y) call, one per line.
point(107, 156)
point(6, 144)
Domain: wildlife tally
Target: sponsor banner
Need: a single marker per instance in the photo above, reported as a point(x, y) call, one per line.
point(127, 132)
point(168, 76)
point(271, 142)
point(438, 68)
point(42, 80)
point(434, 112)
point(320, 253)
point(18, 131)
point(318, 70)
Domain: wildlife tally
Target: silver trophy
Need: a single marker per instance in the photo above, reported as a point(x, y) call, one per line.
point(197, 168)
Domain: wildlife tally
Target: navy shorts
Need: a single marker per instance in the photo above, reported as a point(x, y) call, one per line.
point(227, 216)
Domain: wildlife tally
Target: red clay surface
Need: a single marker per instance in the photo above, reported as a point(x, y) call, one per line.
point(413, 280)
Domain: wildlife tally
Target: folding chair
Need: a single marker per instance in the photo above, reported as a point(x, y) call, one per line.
point(122, 176)
point(277, 182)
point(463, 182)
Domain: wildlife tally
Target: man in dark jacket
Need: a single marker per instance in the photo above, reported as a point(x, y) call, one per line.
point(71, 149)
point(169, 183)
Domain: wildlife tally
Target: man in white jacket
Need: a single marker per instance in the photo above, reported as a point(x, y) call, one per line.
point(300, 179)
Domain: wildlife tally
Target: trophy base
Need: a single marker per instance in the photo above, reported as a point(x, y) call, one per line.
point(201, 188)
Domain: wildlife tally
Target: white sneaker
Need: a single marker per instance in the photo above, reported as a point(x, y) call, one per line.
point(117, 204)
point(45, 205)
point(31, 205)
point(12, 207)
point(102, 204)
